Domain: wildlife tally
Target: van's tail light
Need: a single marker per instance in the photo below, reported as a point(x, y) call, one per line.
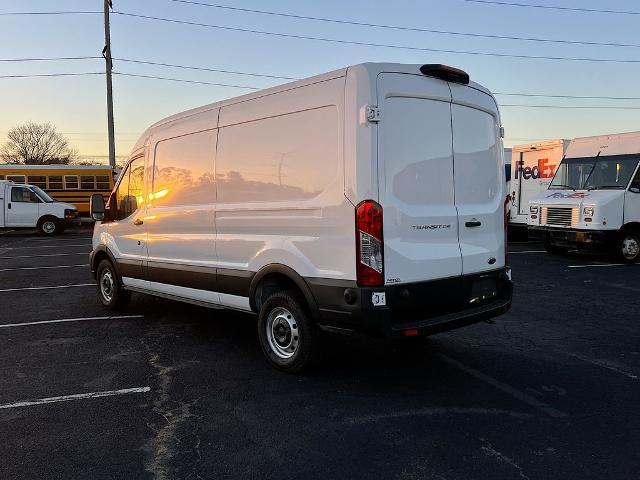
point(369, 244)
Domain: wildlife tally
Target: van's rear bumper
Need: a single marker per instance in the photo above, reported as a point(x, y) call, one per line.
point(421, 308)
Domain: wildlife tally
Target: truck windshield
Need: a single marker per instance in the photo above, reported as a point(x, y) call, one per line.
point(595, 173)
point(43, 195)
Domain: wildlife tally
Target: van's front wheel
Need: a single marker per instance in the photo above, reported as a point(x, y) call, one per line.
point(49, 226)
point(110, 292)
point(287, 334)
point(628, 248)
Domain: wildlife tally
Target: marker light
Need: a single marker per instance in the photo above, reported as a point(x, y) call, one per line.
point(446, 73)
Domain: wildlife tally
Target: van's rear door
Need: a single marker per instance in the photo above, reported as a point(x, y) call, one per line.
point(416, 175)
point(479, 185)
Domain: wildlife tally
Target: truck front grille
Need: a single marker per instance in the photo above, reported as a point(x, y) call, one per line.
point(559, 216)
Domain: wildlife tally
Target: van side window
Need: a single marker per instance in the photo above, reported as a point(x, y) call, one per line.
point(23, 195)
point(635, 183)
point(183, 170)
point(129, 194)
point(288, 157)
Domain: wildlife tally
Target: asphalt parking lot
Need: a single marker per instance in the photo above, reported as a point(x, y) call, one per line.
point(166, 390)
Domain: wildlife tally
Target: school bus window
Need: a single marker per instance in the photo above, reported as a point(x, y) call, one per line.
point(102, 182)
point(87, 182)
point(16, 178)
point(38, 180)
point(71, 182)
point(55, 182)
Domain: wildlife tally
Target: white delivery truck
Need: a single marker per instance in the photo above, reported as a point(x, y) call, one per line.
point(593, 201)
point(371, 198)
point(28, 206)
point(532, 168)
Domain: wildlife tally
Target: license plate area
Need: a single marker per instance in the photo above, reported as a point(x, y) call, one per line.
point(483, 290)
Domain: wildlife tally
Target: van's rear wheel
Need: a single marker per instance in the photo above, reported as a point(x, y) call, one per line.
point(628, 248)
point(110, 291)
point(287, 334)
point(49, 226)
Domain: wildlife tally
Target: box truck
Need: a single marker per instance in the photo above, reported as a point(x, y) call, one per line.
point(28, 206)
point(593, 201)
point(532, 168)
point(371, 198)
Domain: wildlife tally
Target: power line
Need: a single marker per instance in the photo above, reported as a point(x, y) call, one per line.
point(581, 97)
point(52, 75)
point(597, 107)
point(46, 59)
point(405, 28)
point(554, 7)
point(369, 44)
point(206, 69)
point(185, 81)
point(77, 12)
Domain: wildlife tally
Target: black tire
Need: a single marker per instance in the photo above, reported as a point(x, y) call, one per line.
point(115, 297)
point(287, 317)
point(49, 226)
point(627, 247)
point(553, 249)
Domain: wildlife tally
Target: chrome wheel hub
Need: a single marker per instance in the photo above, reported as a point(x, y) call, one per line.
point(282, 332)
point(107, 285)
point(48, 226)
point(630, 248)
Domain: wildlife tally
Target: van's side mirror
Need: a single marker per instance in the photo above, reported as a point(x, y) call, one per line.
point(97, 208)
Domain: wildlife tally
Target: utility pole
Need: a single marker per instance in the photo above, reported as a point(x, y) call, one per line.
point(106, 53)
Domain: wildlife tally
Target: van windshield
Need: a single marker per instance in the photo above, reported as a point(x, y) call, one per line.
point(44, 196)
point(595, 173)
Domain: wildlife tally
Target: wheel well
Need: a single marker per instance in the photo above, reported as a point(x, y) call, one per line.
point(271, 283)
point(46, 217)
point(632, 226)
point(98, 257)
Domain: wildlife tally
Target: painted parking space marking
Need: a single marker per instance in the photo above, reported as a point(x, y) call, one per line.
point(508, 389)
point(70, 398)
point(68, 320)
point(599, 265)
point(42, 268)
point(48, 246)
point(52, 287)
point(605, 364)
point(45, 255)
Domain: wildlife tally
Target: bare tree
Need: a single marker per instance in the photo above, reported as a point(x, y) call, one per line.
point(37, 144)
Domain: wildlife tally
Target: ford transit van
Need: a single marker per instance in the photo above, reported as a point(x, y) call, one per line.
point(367, 199)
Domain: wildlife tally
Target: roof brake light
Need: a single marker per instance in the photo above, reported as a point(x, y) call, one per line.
point(445, 72)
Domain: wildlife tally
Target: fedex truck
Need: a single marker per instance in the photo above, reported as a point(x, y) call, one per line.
point(532, 168)
point(593, 201)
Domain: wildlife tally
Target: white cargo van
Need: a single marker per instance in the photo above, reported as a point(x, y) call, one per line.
point(370, 199)
point(28, 206)
point(593, 201)
point(532, 168)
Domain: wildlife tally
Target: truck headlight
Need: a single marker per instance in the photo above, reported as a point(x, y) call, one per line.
point(587, 211)
point(533, 209)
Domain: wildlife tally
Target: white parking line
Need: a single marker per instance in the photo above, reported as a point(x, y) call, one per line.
point(508, 389)
point(48, 288)
point(48, 246)
point(46, 255)
point(78, 396)
point(41, 268)
point(527, 251)
point(614, 367)
point(65, 320)
point(598, 265)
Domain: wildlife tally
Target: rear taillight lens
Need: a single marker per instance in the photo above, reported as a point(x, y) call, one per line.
point(369, 244)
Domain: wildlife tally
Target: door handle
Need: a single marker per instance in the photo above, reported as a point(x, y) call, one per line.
point(137, 221)
point(9, 206)
point(472, 223)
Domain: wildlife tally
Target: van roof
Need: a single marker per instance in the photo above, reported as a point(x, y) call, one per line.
point(370, 69)
point(605, 145)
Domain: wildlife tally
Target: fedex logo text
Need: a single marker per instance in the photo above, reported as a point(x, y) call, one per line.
point(542, 170)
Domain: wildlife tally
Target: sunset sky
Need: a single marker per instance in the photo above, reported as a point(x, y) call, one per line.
point(76, 105)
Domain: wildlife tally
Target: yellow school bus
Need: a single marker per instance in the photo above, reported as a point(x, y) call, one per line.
point(66, 183)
